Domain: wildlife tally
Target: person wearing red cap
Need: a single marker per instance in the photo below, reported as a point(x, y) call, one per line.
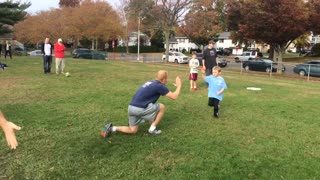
point(59, 50)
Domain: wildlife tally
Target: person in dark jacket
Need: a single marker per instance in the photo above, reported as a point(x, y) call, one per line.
point(7, 48)
point(209, 59)
point(46, 49)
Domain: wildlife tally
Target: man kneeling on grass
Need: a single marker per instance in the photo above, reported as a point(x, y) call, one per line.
point(144, 106)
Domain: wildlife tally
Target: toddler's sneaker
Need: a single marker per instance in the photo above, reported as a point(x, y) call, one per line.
point(155, 132)
point(106, 130)
point(216, 115)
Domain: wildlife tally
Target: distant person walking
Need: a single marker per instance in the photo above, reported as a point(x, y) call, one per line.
point(59, 50)
point(7, 50)
point(0, 48)
point(46, 49)
point(210, 58)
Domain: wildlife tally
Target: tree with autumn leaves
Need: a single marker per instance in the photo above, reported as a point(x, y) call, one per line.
point(202, 22)
point(92, 20)
point(274, 22)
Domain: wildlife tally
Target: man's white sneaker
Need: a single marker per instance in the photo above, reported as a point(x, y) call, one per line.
point(155, 132)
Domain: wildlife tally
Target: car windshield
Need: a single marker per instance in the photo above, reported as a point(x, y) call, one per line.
point(178, 54)
point(268, 61)
point(313, 62)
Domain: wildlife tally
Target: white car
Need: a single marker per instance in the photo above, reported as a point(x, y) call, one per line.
point(35, 53)
point(245, 56)
point(176, 57)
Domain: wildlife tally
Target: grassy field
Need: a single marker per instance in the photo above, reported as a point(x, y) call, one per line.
point(267, 134)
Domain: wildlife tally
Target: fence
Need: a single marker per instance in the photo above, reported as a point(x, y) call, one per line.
point(303, 71)
point(271, 71)
point(147, 58)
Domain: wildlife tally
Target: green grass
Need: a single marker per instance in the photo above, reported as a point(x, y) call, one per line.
point(268, 134)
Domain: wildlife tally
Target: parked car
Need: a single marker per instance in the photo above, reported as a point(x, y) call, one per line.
point(93, 55)
point(19, 51)
point(262, 64)
point(84, 53)
point(77, 52)
point(224, 51)
point(176, 57)
point(222, 62)
point(311, 67)
point(245, 56)
point(35, 53)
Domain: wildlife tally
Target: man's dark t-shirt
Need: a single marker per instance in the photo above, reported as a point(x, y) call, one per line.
point(149, 92)
point(209, 56)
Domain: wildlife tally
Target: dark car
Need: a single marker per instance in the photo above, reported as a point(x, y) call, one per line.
point(224, 52)
point(88, 54)
point(222, 62)
point(311, 67)
point(79, 51)
point(93, 55)
point(262, 64)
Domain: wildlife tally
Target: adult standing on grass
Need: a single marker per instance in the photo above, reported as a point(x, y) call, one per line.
point(46, 49)
point(59, 50)
point(0, 48)
point(7, 49)
point(144, 106)
point(9, 131)
point(210, 58)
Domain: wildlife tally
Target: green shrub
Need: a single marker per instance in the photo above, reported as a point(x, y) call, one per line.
point(315, 50)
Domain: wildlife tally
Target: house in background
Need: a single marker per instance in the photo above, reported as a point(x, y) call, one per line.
point(133, 40)
point(224, 41)
point(180, 43)
point(314, 39)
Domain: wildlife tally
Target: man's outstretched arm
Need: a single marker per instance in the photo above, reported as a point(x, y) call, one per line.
point(9, 131)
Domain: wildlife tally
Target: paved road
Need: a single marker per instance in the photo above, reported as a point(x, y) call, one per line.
point(237, 66)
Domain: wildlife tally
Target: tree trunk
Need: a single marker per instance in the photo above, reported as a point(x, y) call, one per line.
point(166, 35)
point(92, 44)
point(278, 51)
point(97, 43)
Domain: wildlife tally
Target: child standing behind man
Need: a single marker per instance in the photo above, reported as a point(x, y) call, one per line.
point(193, 76)
point(216, 87)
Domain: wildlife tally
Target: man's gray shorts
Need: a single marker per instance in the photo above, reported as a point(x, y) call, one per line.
point(136, 114)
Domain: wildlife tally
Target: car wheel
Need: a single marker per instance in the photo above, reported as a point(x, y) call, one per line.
point(164, 59)
point(302, 73)
point(247, 68)
point(268, 70)
point(176, 61)
point(236, 59)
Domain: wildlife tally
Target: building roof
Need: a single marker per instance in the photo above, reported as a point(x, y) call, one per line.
point(173, 40)
point(224, 35)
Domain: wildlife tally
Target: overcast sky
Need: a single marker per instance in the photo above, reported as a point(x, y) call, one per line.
point(42, 5)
